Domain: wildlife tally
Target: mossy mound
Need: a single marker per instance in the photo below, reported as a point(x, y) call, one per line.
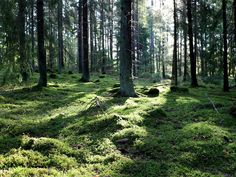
point(153, 92)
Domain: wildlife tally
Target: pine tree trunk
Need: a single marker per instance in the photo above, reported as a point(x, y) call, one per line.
point(111, 5)
point(234, 7)
point(22, 48)
point(103, 40)
point(32, 36)
point(174, 69)
point(91, 10)
point(194, 82)
point(51, 49)
point(85, 72)
point(41, 51)
point(60, 37)
point(225, 62)
point(79, 42)
point(126, 82)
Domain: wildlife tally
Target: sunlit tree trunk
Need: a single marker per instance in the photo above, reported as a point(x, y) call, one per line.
point(126, 82)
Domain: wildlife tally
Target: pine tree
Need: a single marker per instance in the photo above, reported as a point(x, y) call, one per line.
point(41, 50)
point(126, 82)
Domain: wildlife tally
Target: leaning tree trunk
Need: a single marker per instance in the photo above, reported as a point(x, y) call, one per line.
point(41, 51)
point(85, 70)
point(225, 62)
point(126, 82)
point(194, 82)
point(22, 48)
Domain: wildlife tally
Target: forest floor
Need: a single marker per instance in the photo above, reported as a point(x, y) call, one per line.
point(79, 129)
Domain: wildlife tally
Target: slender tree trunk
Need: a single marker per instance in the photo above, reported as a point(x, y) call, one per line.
point(103, 39)
point(195, 31)
point(137, 38)
point(41, 51)
point(174, 69)
point(234, 7)
point(80, 41)
point(22, 49)
point(194, 82)
point(185, 55)
point(111, 30)
point(51, 49)
point(126, 82)
point(60, 37)
point(85, 72)
point(226, 80)
point(32, 36)
point(91, 10)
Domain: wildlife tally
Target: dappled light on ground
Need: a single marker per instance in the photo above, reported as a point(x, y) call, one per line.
point(64, 131)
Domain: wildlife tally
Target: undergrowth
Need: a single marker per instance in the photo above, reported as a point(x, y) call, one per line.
point(60, 131)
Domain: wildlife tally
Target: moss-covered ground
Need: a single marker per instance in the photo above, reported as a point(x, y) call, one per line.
point(78, 129)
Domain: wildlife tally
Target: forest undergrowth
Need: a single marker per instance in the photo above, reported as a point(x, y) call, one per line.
point(80, 129)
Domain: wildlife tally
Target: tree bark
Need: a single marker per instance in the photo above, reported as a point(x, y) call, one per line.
point(234, 7)
point(85, 72)
point(41, 51)
point(126, 82)
point(174, 72)
point(103, 39)
point(225, 62)
point(60, 37)
point(80, 41)
point(194, 82)
point(22, 48)
point(32, 36)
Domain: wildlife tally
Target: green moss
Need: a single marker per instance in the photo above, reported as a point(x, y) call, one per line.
point(58, 132)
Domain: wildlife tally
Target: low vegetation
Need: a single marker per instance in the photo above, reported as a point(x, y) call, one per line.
point(79, 129)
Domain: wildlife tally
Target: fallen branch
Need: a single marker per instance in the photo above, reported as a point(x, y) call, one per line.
point(212, 103)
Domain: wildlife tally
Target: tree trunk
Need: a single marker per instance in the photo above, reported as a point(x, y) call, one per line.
point(225, 62)
point(85, 72)
point(51, 49)
point(111, 5)
point(41, 51)
point(174, 69)
point(60, 37)
point(194, 82)
point(22, 49)
point(103, 40)
point(32, 36)
point(80, 41)
point(126, 82)
point(234, 7)
point(91, 10)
